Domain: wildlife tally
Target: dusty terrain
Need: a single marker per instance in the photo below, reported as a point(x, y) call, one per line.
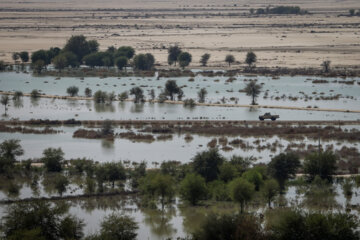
point(217, 27)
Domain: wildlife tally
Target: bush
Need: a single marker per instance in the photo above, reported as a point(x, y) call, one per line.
point(296, 225)
point(17, 95)
point(35, 93)
point(72, 91)
point(100, 96)
point(123, 96)
point(88, 92)
point(189, 102)
point(230, 227)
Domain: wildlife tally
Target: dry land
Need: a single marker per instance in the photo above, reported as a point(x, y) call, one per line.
point(217, 27)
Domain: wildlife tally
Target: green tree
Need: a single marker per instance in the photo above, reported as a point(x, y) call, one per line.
point(38, 66)
point(227, 172)
point(40, 220)
point(326, 66)
point(24, 56)
point(296, 225)
point(15, 56)
point(144, 61)
point(230, 59)
point(184, 59)
point(115, 226)
point(352, 12)
point(159, 185)
point(51, 53)
point(100, 96)
point(107, 128)
point(138, 93)
point(230, 227)
point(321, 163)
point(61, 182)
point(173, 54)
point(270, 189)
point(9, 150)
point(241, 191)
point(72, 91)
point(283, 167)
point(34, 93)
point(39, 55)
point(60, 62)
point(114, 172)
point(53, 159)
point(71, 59)
point(2, 65)
point(80, 46)
point(123, 96)
point(207, 164)
point(88, 92)
point(17, 95)
point(254, 177)
point(121, 62)
point(93, 45)
point(252, 89)
point(250, 58)
point(5, 101)
point(171, 88)
point(204, 59)
point(125, 51)
point(202, 95)
point(193, 188)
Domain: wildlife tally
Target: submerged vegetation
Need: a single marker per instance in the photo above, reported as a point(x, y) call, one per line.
point(207, 179)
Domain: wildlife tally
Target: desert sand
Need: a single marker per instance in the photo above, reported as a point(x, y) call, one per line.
point(217, 27)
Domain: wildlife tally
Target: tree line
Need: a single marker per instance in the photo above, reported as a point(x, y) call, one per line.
point(78, 50)
point(208, 175)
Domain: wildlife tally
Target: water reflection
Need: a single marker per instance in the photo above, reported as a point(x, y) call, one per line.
point(159, 221)
point(137, 108)
point(104, 107)
point(108, 145)
point(34, 101)
point(18, 103)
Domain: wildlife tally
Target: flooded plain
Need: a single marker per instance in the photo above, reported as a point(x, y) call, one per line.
point(297, 91)
point(175, 148)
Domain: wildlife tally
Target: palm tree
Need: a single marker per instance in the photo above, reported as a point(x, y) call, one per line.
point(5, 101)
point(252, 89)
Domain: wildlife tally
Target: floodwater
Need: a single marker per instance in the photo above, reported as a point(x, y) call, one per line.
point(60, 109)
point(179, 220)
point(177, 148)
point(217, 87)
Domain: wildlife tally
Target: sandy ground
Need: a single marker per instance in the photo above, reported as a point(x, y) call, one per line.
point(217, 27)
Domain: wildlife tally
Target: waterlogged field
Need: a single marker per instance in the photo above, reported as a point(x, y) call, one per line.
point(179, 220)
point(175, 147)
point(63, 109)
point(295, 91)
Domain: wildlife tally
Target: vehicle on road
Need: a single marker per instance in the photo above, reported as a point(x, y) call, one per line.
point(268, 116)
